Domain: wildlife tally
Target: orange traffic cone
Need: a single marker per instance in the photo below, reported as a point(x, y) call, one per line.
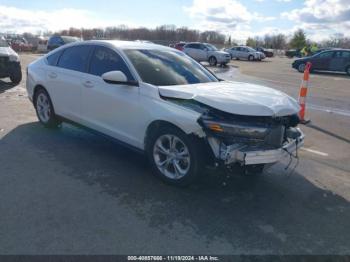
point(303, 93)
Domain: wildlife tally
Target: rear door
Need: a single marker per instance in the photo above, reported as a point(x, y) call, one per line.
point(336, 62)
point(65, 80)
point(340, 60)
point(322, 60)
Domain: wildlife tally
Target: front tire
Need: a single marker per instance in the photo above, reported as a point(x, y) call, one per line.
point(348, 70)
point(16, 75)
point(250, 58)
point(174, 156)
point(212, 61)
point(301, 68)
point(44, 109)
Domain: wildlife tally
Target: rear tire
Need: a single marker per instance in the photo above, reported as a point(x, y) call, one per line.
point(174, 156)
point(44, 109)
point(212, 61)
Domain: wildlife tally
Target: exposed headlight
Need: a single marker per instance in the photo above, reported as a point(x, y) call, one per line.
point(14, 58)
point(239, 129)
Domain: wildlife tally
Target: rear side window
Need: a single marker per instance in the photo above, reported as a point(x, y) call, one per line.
point(75, 58)
point(52, 59)
point(105, 60)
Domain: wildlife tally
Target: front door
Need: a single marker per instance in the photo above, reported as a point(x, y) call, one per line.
point(112, 109)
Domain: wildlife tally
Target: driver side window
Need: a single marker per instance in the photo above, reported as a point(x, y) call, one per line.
point(104, 60)
point(326, 55)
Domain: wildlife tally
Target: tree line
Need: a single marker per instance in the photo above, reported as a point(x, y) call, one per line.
point(165, 34)
point(170, 34)
point(298, 41)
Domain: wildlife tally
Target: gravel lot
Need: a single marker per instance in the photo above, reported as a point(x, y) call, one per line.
point(72, 192)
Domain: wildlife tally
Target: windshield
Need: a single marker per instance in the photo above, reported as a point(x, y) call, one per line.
point(165, 68)
point(3, 43)
point(211, 47)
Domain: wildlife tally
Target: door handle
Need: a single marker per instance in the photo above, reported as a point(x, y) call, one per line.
point(88, 84)
point(52, 75)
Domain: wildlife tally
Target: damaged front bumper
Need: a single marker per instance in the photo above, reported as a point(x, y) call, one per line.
point(252, 155)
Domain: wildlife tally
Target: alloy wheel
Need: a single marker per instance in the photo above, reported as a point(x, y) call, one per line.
point(301, 68)
point(171, 156)
point(43, 107)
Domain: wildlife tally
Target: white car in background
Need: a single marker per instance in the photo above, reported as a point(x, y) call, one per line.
point(245, 52)
point(202, 52)
point(160, 101)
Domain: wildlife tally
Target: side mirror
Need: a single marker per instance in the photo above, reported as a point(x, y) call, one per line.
point(118, 77)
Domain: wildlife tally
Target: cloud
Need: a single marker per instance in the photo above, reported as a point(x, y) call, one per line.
point(322, 17)
point(226, 16)
point(20, 20)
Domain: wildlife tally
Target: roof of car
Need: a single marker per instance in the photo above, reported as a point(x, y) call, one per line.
point(127, 44)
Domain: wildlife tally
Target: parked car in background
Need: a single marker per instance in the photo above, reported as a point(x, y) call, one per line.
point(144, 41)
point(245, 52)
point(293, 53)
point(42, 45)
point(10, 65)
point(267, 52)
point(21, 45)
point(57, 41)
point(180, 46)
point(336, 60)
point(203, 52)
point(161, 102)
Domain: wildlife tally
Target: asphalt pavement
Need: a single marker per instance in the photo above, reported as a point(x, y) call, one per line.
point(68, 191)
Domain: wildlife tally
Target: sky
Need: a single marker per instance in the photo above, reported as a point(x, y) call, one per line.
point(321, 19)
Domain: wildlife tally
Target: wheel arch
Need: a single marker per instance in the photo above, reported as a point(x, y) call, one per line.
point(156, 124)
point(214, 56)
point(36, 89)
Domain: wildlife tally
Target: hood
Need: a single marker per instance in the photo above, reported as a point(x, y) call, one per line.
point(7, 51)
point(236, 98)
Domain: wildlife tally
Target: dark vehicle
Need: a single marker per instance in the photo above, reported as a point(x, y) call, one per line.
point(267, 52)
point(180, 46)
point(9, 63)
point(321, 50)
point(337, 60)
point(57, 41)
point(293, 53)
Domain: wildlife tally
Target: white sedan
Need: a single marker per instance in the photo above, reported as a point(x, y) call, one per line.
point(160, 101)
